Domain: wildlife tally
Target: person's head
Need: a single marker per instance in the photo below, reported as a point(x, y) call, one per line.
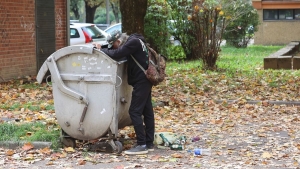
point(113, 39)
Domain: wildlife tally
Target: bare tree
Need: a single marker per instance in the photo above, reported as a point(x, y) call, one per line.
point(133, 13)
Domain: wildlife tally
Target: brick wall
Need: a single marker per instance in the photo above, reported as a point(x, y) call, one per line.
point(60, 23)
point(17, 36)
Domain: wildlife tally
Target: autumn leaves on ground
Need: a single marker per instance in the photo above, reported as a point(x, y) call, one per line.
point(239, 133)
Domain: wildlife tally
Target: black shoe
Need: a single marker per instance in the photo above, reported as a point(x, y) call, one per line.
point(138, 149)
point(150, 147)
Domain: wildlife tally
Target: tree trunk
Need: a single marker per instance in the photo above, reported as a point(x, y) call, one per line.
point(133, 13)
point(75, 10)
point(90, 12)
point(115, 10)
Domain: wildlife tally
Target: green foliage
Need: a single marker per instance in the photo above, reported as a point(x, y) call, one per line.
point(100, 16)
point(180, 27)
point(155, 26)
point(239, 32)
point(176, 53)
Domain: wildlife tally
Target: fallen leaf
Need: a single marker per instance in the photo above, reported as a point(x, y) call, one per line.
point(81, 162)
point(45, 150)
point(176, 155)
point(69, 149)
point(28, 134)
point(266, 155)
point(27, 146)
point(10, 152)
point(156, 157)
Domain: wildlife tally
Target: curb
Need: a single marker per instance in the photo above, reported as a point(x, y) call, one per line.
point(16, 144)
point(259, 101)
point(162, 104)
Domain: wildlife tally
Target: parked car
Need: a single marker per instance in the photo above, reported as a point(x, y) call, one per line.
point(102, 26)
point(81, 33)
point(117, 26)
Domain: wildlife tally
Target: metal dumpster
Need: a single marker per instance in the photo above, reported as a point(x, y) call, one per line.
point(91, 94)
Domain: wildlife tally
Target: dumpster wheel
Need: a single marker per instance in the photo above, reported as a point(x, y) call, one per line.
point(119, 147)
point(67, 140)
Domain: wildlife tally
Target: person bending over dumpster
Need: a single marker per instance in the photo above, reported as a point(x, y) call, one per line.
point(121, 45)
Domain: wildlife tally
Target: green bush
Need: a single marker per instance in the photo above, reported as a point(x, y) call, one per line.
point(176, 53)
point(155, 27)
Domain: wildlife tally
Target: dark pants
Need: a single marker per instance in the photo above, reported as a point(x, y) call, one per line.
point(141, 105)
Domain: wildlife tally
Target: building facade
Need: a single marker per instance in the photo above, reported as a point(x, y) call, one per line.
point(30, 31)
point(279, 21)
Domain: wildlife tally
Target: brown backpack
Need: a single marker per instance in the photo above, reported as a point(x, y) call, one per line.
point(156, 71)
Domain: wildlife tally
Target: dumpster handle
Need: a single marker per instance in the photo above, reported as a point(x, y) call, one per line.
point(47, 80)
point(120, 81)
point(60, 84)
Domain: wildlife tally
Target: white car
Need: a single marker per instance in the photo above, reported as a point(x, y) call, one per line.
point(110, 29)
point(82, 33)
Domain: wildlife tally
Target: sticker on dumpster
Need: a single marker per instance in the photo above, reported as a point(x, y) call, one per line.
point(95, 63)
point(79, 57)
point(74, 64)
point(103, 111)
point(85, 59)
point(93, 58)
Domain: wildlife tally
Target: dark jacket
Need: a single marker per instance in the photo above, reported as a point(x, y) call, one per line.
point(133, 47)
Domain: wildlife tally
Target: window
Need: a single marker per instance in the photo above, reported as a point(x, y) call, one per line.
point(281, 14)
point(297, 14)
point(74, 33)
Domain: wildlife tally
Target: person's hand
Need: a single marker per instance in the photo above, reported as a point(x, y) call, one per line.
point(97, 46)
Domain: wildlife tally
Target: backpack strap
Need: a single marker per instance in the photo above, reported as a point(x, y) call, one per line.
point(138, 64)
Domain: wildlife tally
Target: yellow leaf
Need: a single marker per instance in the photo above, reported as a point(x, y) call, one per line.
point(249, 154)
point(266, 155)
point(28, 134)
point(69, 149)
point(29, 157)
point(28, 118)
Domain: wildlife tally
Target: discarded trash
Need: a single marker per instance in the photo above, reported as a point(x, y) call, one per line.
point(177, 143)
point(171, 137)
point(177, 147)
point(166, 141)
point(199, 151)
point(195, 139)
